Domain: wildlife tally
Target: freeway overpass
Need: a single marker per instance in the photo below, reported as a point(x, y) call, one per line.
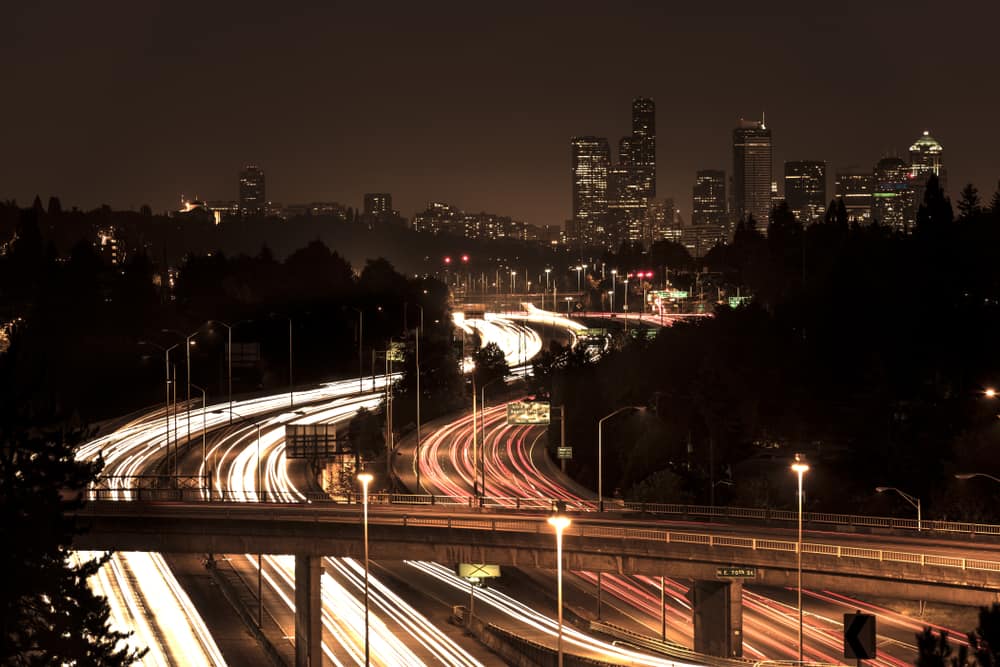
point(914, 566)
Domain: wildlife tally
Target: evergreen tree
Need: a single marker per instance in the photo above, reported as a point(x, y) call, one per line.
point(995, 203)
point(55, 206)
point(50, 614)
point(490, 364)
point(935, 211)
point(969, 203)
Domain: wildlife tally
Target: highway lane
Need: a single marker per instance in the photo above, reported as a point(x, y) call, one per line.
point(517, 466)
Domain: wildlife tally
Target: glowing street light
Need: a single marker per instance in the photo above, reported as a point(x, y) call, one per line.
point(366, 478)
point(800, 467)
point(990, 392)
point(578, 270)
point(560, 523)
point(913, 500)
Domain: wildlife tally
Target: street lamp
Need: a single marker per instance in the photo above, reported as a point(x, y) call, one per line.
point(913, 500)
point(560, 523)
point(513, 282)
point(366, 478)
point(614, 274)
point(420, 330)
point(482, 438)
point(568, 299)
point(800, 467)
point(229, 361)
point(204, 448)
point(361, 362)
point(547, 272)
point(600, 452)
point(291, 374)
point(166, 404)
point(990, 392)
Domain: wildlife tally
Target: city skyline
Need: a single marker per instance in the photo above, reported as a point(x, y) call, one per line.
point(385, 125)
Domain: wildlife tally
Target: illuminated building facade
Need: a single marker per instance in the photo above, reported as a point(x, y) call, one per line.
point(708, 199)
point(805, 190)
point(892, 196)
point(378, 203)
point(642, 148)
point(253, 199)
point(926, 158)
point(591, 160)
point(752, 172)
point(855, 189)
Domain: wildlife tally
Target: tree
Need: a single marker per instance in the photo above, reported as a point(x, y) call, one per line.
point(50, 615)
point(935, 212)
point(934, 650)
point(491, 364)
point(969, 203)
point(985, 641)
point(995, 203)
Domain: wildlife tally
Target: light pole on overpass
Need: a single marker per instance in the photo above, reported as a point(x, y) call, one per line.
point(560, 523)
point(913, 500)
point(365, 479)
point(204, 447)
point(800, 467)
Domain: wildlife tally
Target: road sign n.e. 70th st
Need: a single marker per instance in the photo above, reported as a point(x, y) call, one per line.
point(859, 636)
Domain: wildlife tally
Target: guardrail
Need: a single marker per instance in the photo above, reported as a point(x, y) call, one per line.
point(665, 648)
point(583, 527)
point(749, 514)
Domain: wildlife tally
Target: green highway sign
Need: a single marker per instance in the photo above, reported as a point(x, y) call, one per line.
point(564, 452)
point(734, 572)
point(528, 412)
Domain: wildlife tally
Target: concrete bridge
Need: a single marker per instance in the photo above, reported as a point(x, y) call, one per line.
point(914, 567)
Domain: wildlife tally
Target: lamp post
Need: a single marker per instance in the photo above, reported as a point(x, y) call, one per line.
point(578, 270)
point(560, 523)
point(600, 452)
point(482, 438)
point(365, 479)
point(547, 272)
point(568, 299)
point(204, 447)
point(614, 274)
point(913, 500)
point(166, 403)
point(800, 467)
point(420, 330)
point(361, 362)
point(513, 282)
point(291, 363)
point(229, 361)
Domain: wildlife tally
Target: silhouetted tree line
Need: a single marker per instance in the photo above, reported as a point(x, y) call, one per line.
point(866, 349)
point(169, 239)
point(78, 349)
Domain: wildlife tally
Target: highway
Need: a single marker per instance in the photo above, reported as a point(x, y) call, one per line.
point(136, 583)
point(518, 466)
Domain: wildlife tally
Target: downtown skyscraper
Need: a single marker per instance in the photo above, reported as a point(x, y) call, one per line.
point(253, 199)
point(591, 160)
point(610, 200)
point(805, 190)
point(751, 191)
point(708, 199)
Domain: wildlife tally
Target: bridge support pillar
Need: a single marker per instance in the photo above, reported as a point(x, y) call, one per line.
point(308, 626)
point(717, 607)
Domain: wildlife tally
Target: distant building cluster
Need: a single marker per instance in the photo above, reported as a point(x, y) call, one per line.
point(614, 202)
point(441, 218)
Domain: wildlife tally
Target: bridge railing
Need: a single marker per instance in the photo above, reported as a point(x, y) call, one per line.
point(191, 492)
point(595, 527)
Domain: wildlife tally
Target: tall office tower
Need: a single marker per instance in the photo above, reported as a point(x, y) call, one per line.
point(892, 196)
point(591, 159)
point(751, 191)
point(926, 158)
point(708, 199)
point(252, 194)
point(805, 190)
point(643, 146)
point(855, 189)
point(378, 203)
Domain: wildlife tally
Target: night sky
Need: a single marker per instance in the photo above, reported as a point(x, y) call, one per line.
point(472, 103)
